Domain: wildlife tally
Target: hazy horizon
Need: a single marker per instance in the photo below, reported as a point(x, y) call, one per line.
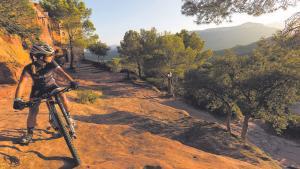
point(112, 18)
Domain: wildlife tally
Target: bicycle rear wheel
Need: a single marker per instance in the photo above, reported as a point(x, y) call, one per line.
point(63, 130)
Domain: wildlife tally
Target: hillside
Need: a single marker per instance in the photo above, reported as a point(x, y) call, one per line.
point(130, 126)
point(13, 53)
point(228, 37)
point(113, 51)
point(12, 56)
point(239, 50)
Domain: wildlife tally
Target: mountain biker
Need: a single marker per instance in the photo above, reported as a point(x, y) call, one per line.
point(41, 72)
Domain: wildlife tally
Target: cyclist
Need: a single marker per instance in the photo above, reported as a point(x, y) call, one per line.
point(41, 72)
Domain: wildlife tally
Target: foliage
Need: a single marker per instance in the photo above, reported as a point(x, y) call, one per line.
point(175, 53)
point(290, 36)
point(74, 16)
point(148, 40)
point(131, 48)
point(282, 76)
point(293, 127)
point(87, 96)
point(16, 22)
point(219, 10)
point(115, 64)
point(262, 85)
point(271, 84)
point(158, 82)
point(99, 48)
point(169, 57)
point(191, 40)
point(215, 84)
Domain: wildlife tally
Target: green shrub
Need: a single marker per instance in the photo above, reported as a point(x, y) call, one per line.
point(115, 64)
point(293, 127)
point(158, 82)
point(14, 23)
point(87, 96)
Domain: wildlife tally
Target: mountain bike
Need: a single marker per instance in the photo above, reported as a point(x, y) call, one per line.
point(59, 121)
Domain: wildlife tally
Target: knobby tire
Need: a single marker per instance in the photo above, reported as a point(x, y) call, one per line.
point(67, 137)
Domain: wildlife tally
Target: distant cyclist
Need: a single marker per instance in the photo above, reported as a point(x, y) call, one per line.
point(41, 71)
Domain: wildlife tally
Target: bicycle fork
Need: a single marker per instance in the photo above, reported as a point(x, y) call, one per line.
point(66, 116)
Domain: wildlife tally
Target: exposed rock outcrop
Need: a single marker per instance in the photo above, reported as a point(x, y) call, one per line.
point(13, 55)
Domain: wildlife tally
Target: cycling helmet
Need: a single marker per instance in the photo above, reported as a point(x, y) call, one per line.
point(41, 50)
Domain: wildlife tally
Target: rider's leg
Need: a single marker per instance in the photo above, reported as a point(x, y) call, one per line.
point(33, 111)
point(31, 122)
point(31, 119)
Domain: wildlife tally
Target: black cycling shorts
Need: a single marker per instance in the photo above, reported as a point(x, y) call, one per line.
point(37, 92)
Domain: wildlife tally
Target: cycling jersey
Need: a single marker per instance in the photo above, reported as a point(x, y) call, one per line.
point(43, 79)
point(37, 92)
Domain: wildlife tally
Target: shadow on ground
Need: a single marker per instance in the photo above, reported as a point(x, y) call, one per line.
point(14, 135)
point(191, 132)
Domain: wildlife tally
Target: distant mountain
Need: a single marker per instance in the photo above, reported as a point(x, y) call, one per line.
point(113, 51)
point(229, 37)
point(239, 50)
point(276, 25)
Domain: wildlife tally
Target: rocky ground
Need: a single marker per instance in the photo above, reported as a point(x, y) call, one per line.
point(129, 127)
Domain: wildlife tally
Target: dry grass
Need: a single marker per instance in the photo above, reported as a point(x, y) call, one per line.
point(88, 96)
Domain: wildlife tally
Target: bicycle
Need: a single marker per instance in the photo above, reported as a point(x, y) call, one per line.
point(66, 127)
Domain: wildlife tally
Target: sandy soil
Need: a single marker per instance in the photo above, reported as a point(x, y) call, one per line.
point(109, 131)
point(286, 151)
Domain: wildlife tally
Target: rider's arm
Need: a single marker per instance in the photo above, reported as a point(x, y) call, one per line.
point(22, 83)
point(60, 71)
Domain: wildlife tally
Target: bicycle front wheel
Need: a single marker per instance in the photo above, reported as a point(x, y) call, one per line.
point(63, 130)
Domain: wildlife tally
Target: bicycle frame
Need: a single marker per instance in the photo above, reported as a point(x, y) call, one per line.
point(65, 114)
point(65, 126)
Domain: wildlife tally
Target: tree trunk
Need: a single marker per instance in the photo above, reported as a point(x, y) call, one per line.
point(245, 127)
point(139, 70)
point(228, 120)
point(169, 86)
point(102, 59)
point(72, 55)
point(128, 75)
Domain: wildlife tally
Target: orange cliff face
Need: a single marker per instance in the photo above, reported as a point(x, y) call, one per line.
point(42, 20)
point(12, 54)
point(12, 57)
point(51, 31)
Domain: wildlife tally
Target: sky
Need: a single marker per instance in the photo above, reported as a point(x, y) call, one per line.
point(112, 18)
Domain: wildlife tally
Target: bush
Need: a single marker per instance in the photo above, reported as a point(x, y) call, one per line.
point(21, 25)
point(158, 82)
point(87, 96)
point(293, 128)
point(115, 64)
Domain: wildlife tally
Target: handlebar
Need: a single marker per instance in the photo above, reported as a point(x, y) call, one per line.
point(46, 96)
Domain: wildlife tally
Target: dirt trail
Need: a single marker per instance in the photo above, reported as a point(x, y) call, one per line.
point(287, 152)
point(116, 132)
